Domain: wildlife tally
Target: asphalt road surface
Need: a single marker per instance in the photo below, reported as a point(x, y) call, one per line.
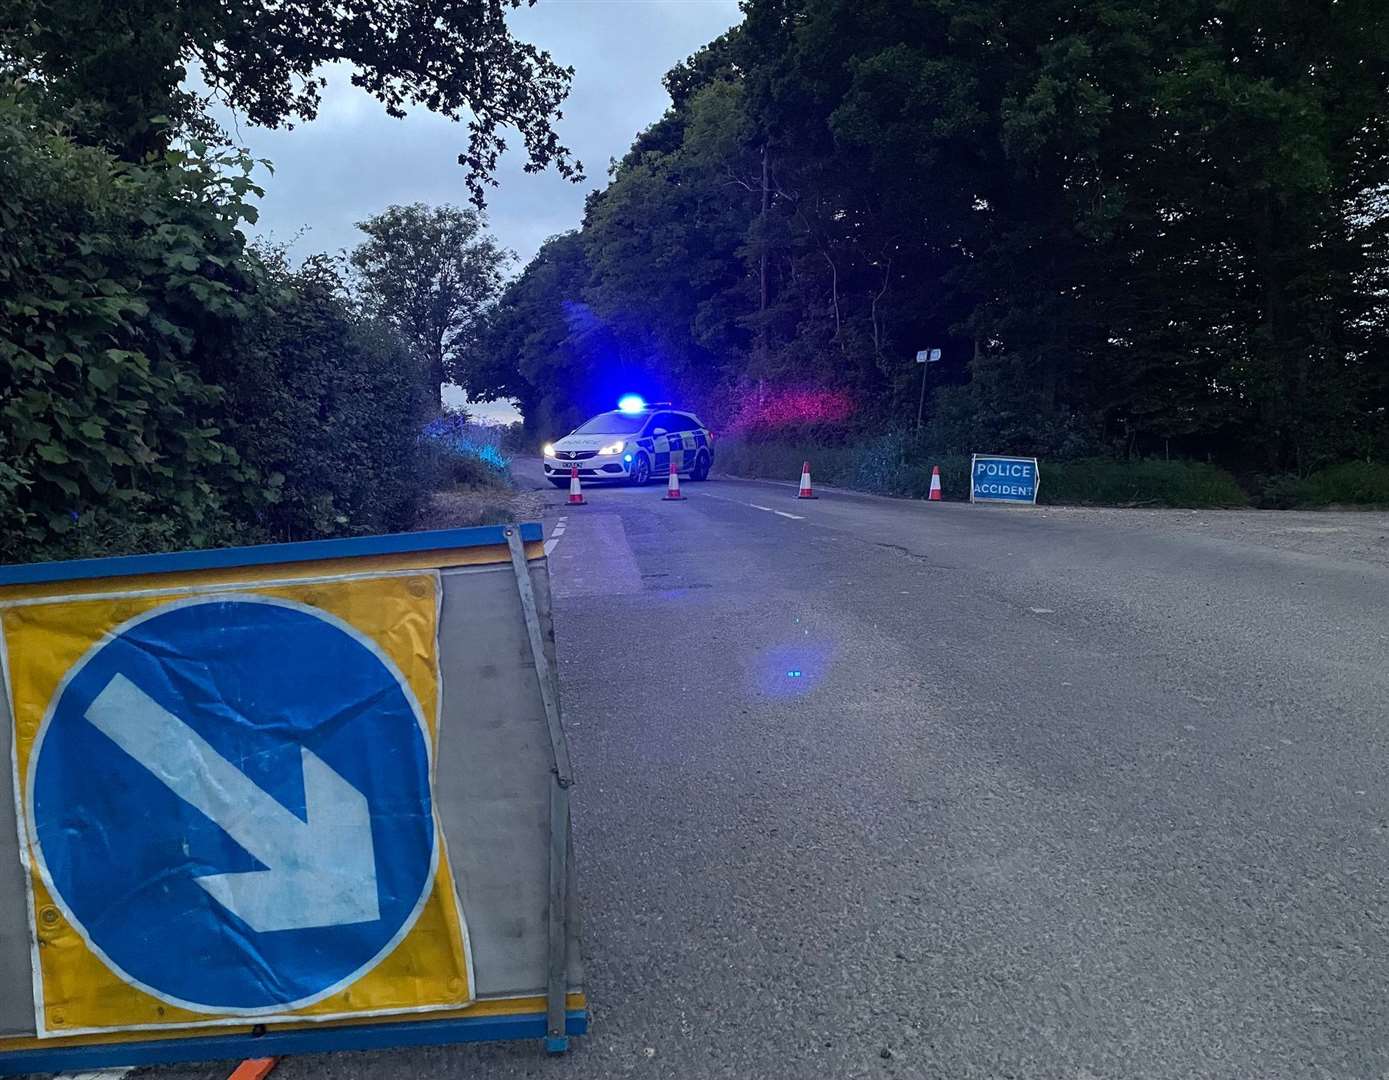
point(876, 788)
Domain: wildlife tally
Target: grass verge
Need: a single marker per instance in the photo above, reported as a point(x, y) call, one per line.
point(891, 465)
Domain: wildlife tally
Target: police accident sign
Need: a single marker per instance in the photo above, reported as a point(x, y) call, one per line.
point(1003, 479)
point(227, 804)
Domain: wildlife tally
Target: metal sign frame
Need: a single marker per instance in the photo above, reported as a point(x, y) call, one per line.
point(1036, 478)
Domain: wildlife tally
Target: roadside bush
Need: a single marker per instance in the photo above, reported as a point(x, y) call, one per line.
point(459, 452)
point(890, 464)
point(896, 465)
point(326, 405)
point(115, 280)
point(1355, 483)
point(1111, 482)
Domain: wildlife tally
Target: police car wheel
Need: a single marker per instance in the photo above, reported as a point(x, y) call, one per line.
point(701, 467)
point(558, 482)
point(641, 471)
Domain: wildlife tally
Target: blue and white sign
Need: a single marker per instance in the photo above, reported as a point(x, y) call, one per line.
point(230, 800)
point(1004, 479)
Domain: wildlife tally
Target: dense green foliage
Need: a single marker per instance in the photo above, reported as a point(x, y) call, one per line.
point(325, 402)
point(123, 65)
point(163, 386)
point(116, 280)
point(1135, 227)
point(1151, 482)
point(1354, 483)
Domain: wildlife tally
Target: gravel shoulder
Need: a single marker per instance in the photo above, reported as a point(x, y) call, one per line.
point(465, 506)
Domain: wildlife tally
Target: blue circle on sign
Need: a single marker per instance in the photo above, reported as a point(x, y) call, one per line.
point(230, 800)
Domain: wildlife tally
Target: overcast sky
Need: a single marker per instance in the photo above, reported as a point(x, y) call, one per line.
point(354, 160)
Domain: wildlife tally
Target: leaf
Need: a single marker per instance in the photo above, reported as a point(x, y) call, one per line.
point(103, 378)
point(52, 452)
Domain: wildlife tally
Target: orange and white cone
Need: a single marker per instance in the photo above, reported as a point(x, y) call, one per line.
point(934, 496)
point(806, 492)
point(673, 486)
point(576, 493)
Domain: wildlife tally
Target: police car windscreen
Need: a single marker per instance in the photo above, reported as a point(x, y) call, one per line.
point(611, 423)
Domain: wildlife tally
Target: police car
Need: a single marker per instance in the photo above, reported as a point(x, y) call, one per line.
point(633, 443)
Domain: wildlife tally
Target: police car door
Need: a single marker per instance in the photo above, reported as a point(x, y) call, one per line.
point(669, 448)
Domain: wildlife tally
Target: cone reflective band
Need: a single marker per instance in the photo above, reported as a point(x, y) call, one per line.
point(673, 485)
point(576, 493)
point(934, 496)
point(805, 492)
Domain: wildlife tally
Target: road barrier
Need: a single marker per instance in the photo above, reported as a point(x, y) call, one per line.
point(673, 486)
point(576, 491)
point(281, 799)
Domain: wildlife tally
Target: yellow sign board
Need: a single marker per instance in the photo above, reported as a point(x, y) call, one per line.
point(226, 803)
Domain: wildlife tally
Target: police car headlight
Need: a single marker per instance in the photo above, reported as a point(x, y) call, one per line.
point(615, 448)
point(548, 449)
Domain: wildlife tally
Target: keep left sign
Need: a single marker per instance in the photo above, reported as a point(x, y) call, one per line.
point(229, 809)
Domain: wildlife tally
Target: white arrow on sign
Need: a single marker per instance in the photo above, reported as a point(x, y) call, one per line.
point(320, 872)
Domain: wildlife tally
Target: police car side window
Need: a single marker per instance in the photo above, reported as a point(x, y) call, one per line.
point(685, 422)
point(662, 420)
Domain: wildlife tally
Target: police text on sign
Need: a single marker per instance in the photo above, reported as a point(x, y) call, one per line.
point(1003, 479)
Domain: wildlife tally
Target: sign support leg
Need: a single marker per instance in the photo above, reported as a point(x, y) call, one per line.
point(556, 1037)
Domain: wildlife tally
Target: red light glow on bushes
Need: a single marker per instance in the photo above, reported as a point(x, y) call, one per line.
point(790, 407)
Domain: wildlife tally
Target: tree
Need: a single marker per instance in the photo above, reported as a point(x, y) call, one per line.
point(430, 272)
point(125, 65)
point(1134, 225)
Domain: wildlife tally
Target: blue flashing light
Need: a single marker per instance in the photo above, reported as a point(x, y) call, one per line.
point(631, 403)
point(627, 458)
point(793, 674)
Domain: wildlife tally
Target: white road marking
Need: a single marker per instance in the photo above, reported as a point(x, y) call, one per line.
point(773, 510)
point(1042, 610)
point(99, 1074)
point(560, 525)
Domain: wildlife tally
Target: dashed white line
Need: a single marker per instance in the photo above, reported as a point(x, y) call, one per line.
point(766, 508)
point(793, 517)
point(560, 525)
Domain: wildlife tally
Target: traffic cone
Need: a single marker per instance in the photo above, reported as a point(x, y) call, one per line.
point(805, 492)
point(673, 486)
point(934, 496)
point(576, 493)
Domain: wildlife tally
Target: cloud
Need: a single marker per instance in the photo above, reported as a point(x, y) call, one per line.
point(354, 160)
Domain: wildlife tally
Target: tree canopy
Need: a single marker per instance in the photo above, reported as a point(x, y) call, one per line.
point(1132, 225)
point(429, 272)
point(124, 67)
